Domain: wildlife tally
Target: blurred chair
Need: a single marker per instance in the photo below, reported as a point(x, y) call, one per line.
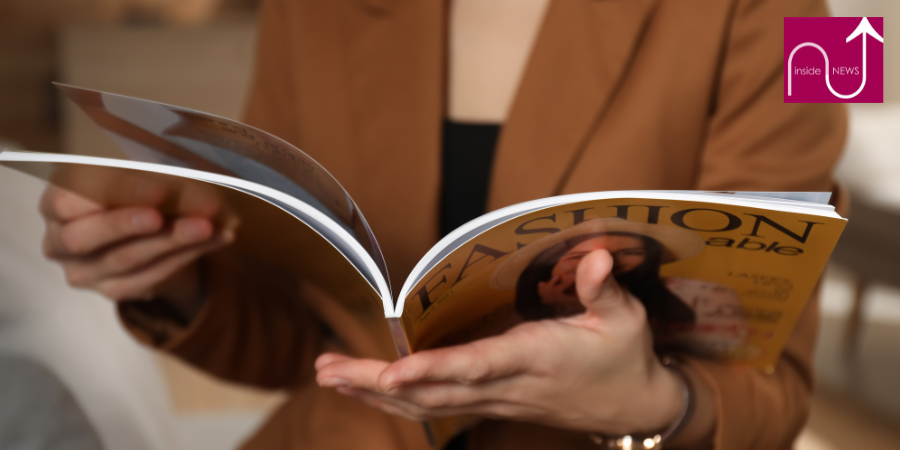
point(74, 334)
point(870, 245)
point(870, 249)
point(38, 412)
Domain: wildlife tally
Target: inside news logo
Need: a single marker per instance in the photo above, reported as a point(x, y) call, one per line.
point(833, 60)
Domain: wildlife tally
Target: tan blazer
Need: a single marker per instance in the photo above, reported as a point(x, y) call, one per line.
point(617, 94)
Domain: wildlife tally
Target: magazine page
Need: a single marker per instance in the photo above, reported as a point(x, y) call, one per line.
point(720, 278)
point(810, 198)
point(268, 230)
point(158, 133)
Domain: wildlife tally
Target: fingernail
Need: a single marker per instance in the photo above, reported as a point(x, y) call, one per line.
point(346, 391)
point(228, 236)
point(391, 387)
point(191, 232)
point(334, 383)
point(143, 221)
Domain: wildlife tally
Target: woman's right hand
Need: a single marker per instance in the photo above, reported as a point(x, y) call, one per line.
point(131, 253)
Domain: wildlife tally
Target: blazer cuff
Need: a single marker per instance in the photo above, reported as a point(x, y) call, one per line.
point(158, 324)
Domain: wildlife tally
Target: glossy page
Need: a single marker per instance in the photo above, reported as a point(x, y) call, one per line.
point(154, 132)
point(265, 233)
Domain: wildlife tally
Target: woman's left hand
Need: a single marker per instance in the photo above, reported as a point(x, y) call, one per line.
point(594, 372)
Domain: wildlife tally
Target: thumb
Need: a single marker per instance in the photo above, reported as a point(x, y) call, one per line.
point(597, 289)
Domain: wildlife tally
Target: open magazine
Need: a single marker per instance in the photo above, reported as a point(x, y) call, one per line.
point(721, 274)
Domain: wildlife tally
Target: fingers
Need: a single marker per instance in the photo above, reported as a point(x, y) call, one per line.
point(113, 255)
point(127, 252)
point(89, 233)
point(597, 289)
point(62, 205)
point(337, 371)
point(77, 226)
point(142, 282)
point(428, 384)
point(479, 361)
point(417, 412)
point(387, 406)
point(135, 254)
point(327, 358)
point(441, 395)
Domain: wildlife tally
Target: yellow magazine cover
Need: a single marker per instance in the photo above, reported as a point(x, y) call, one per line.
point(717, 280)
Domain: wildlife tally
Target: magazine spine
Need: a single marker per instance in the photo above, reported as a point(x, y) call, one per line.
point(400, 341)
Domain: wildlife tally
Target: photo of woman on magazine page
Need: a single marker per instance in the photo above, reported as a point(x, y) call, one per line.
point(417, 107)
point(678, 309)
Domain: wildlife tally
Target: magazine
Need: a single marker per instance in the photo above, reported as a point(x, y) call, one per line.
point(722, 274)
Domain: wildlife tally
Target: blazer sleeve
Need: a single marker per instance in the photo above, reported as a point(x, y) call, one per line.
point(757, 142)
point(253, 329)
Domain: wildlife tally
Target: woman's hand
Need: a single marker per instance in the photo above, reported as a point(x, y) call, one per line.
point(593, 372)
point(131, 253)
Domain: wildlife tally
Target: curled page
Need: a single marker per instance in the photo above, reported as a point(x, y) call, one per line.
point(164, 134)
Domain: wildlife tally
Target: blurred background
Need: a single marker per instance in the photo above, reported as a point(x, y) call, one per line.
point(198, 54)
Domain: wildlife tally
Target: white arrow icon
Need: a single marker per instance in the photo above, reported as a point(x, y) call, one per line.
point(864, 28)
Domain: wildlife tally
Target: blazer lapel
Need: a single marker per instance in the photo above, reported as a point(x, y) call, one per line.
point(581, 53)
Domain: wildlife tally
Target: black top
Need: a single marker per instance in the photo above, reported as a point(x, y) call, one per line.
point(468, 153)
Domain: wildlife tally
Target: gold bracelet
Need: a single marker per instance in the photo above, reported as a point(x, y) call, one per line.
point(655, 441)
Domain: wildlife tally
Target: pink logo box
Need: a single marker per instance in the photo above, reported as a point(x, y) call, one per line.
point(833, 60)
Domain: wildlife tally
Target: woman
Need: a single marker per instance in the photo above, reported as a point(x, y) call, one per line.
point(603, 95)
point(702, 317)
point(546, 287)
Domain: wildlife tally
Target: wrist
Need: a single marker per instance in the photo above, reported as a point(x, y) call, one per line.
point(666, 405)
point(699, 430)
point(664, 400)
